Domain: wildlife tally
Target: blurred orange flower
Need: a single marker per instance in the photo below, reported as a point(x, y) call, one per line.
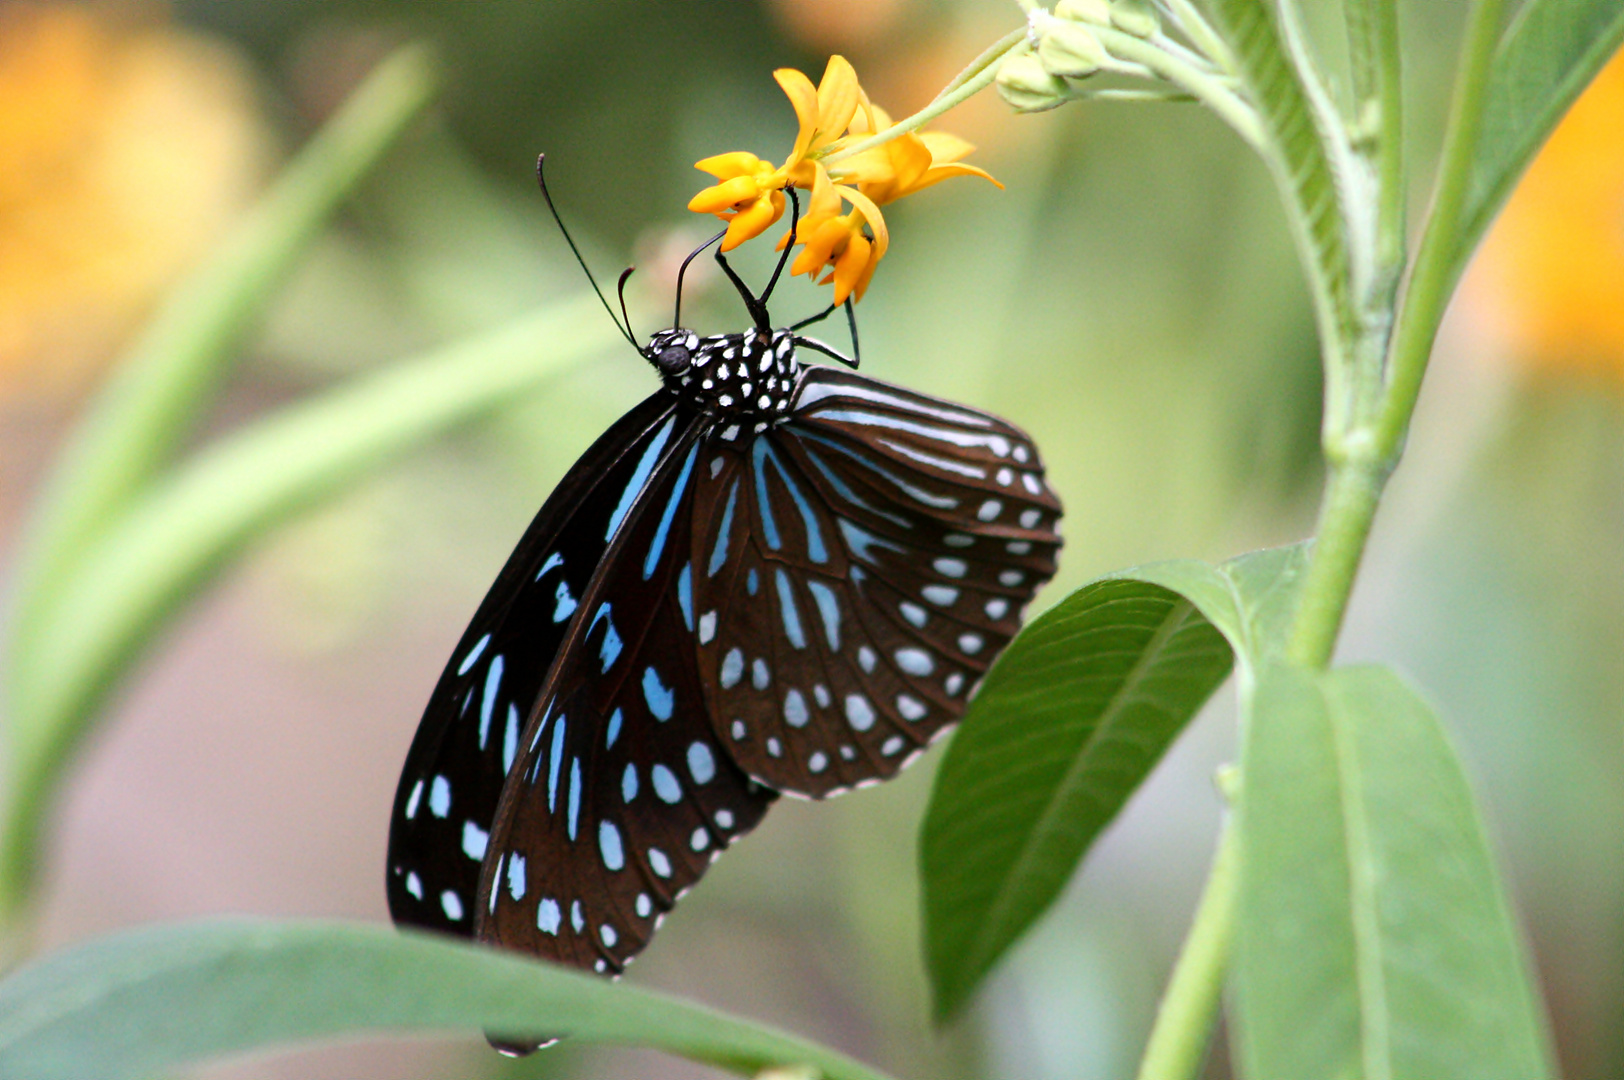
point(123, 151)
point(1556, 255)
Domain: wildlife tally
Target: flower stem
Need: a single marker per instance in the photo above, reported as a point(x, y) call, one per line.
point(1178, 1041)
point(1208, 88)
point(970, 82)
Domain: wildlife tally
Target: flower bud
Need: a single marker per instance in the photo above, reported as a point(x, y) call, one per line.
point(1070, 49)
point(1097, 12)
point(1027, 85)
point(1134, 17)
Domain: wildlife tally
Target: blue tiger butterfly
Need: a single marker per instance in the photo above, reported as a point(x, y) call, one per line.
point(765, 578)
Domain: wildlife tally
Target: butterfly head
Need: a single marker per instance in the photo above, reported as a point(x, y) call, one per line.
point(672, 351)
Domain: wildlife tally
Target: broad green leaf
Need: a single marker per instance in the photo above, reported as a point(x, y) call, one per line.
point(144, 1003)
point(1375, 940)
point(1304, 135)
point(1548, 56)
point(1066, 726)
point(183, 531)
point(154, 393)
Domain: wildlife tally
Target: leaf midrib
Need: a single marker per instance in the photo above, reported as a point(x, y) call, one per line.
point(998, 912)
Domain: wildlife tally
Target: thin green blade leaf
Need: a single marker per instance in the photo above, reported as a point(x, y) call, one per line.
point(170, 545)
point(1548, 56)
point(1067, 725)
point(154, 393)
point(140, 1004)
point(1375, 940)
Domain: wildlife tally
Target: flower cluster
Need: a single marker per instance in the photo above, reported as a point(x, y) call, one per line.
point(844, 245)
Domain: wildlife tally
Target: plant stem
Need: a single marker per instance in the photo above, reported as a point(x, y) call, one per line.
point(968, 88)
point(1352, 492)
point(1363, 457)
point(1209, 88)
point(1178, 1041)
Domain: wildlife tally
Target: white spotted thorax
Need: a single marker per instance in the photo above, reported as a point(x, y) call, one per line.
point(746, 381)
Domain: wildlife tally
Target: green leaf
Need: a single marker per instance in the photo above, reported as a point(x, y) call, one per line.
point(190, 524)
point(140, 1004)
point(1551, 52)
point(149, 403)
point(1375, 940)
point(1066, 726)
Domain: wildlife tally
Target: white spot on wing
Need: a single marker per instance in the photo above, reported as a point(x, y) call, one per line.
point(474, 841)
point(914, 661)
point(859, 713)
point(451, 904)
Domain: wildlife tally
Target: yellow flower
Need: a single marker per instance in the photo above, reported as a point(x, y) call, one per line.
point(750, 196)
point(837, 114)
point(911, 162)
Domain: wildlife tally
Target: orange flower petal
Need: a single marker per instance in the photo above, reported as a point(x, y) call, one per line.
point(944, 147)
point(727, 166)
point(753, 220)
point(850, 266)
point(804, 97)
point(837, 100)
point(726, 195)
point(953, 168)
point(871, 214)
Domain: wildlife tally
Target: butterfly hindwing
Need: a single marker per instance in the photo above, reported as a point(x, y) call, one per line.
point(891, 545)
point(469, 735)
point(622, 795)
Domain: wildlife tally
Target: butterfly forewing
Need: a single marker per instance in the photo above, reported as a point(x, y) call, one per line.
point(469, 736)
point(622, 795)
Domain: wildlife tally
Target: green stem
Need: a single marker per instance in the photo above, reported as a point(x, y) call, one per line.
point(1352, 492)
point(948, 99)
point(989, 55)
point(1432, 278)
point(1178, 1041)
point(1363, 457)
point(1211, 90)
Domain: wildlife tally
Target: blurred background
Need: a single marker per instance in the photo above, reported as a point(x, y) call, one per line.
point(1131, 298)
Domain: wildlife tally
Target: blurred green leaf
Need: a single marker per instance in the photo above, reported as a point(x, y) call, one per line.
point(1375, 939)
point(1067, 725)
point(154, 394)
point(1550, 53)
point(142, 1003)
point(195, 519)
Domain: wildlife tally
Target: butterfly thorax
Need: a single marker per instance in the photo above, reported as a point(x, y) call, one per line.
point(747, 381)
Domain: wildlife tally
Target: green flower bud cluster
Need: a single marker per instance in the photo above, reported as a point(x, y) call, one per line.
point(1065, 45)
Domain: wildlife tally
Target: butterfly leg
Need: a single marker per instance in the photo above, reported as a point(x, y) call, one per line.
point(789, 245)
point(817, 346)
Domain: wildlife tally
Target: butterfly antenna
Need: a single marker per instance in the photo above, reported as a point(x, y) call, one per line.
point(676, 318)
point(541, 179)
point(625, 275)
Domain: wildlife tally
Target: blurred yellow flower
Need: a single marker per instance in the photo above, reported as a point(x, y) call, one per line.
point(1557, 253)
point(123, 151)
point(835, 115)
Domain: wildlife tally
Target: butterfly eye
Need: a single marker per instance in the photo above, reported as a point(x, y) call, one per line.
point(673, 359)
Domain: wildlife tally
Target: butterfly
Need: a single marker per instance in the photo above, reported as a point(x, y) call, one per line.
point(767, 578)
